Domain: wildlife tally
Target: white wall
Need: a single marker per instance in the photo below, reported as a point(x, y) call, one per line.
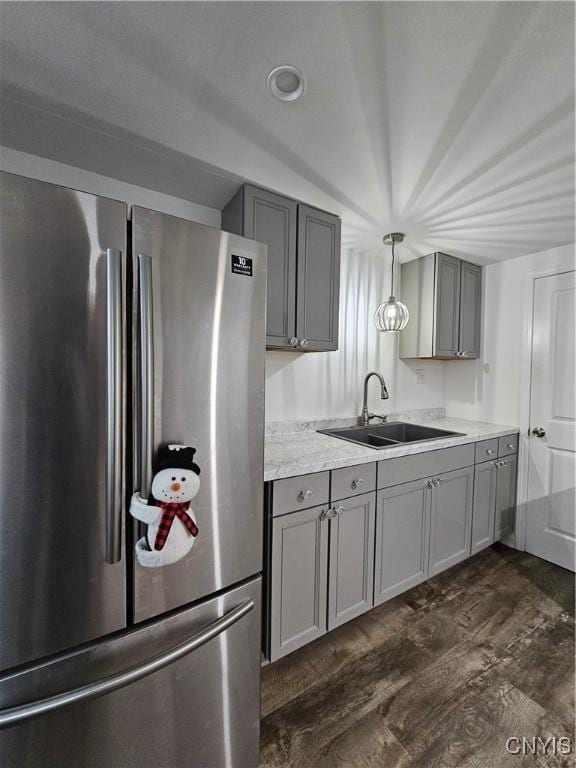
point(317, 385)
point(40, 168)
point(489, 388)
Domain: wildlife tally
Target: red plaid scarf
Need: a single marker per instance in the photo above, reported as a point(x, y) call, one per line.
point(170, 510)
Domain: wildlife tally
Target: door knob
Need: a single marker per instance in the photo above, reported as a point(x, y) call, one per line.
point(304, 343)
point(539, 432)
point(294, 342)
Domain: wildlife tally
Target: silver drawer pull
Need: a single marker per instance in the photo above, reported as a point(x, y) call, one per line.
point(338, 510)
point(357, 482)
point(511, 445)
point(305, 495)
point(489, 452)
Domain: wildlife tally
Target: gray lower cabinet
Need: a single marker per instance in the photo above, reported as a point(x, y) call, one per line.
point(351, 560)
point(402, 539)
point(450, 519)
point(298, 580)
point(506, 497)
point(484, 511)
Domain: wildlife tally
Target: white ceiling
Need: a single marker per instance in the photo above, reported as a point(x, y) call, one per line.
point(450, 121)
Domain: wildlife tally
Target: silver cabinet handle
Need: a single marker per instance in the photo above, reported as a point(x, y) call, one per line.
point(511, 446)
point(293, 342)
point(305, 495)
point(357, 482)
point(146, 373)
point(437, 482)
point(539, 432)
point(464, 354)
point(501, 463)
point(130, 675)
point(429, 484)
point(338, 510)
point(326, 513)
point(489, 452)
point(303, 342)
point(114, 400)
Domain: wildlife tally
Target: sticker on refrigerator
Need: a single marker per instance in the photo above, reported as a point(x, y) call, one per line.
point(172, 527)
point(241, 265)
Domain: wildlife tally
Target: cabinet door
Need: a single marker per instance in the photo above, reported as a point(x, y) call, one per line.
point(470, 307)
point(351, 571)
point(318, 291)
point(446, 306)
point(483, 515)
point(402, 538)
point(451, 519)
point(506, 497)
point(271, 219)
point(299, 580)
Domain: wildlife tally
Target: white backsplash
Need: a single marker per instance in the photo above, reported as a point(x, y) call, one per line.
point(326, 385)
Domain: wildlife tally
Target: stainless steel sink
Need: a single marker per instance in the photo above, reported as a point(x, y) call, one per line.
point(389, 435)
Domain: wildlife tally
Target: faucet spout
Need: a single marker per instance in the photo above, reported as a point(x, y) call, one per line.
point(366, 415)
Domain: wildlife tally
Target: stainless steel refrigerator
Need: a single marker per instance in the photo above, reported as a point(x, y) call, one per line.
point(117, 337)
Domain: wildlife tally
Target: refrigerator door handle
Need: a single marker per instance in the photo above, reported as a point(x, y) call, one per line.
point(114, 414)
point(146, 373)
point(17, 714)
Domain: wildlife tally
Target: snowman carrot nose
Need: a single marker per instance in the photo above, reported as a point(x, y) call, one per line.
point(175, 486)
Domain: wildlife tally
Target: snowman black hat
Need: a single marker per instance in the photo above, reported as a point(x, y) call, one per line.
point(174, 456)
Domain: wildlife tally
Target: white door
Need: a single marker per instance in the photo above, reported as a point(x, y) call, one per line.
point(551, 514)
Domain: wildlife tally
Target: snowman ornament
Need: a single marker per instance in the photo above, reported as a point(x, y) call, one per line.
point(172, 527)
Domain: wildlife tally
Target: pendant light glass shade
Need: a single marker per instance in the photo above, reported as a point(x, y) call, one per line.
point(392, 315)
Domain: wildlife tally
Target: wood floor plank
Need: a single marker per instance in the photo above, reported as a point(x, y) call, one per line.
point(541, 665)
point(308, 723)
point(325, 657)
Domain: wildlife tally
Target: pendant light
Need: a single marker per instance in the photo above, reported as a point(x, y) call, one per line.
point(392, 315)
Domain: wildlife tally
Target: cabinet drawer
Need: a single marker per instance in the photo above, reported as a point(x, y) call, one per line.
point(352, 481)
point(300, 492)
point(486, 450)
point(508, 445)
point(407, 468)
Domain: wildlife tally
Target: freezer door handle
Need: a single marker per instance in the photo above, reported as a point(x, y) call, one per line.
point(17, 714)
point(114, 414)
point(146, 373)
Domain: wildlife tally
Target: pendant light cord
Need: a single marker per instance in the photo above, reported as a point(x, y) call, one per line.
point(392, 281)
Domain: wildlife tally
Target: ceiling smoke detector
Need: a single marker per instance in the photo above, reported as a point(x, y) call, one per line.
point(287, 83)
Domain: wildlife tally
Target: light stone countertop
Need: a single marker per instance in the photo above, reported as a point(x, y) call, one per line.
point(292, 453)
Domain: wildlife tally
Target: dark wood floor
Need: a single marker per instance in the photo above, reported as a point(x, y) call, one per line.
point(440, 676)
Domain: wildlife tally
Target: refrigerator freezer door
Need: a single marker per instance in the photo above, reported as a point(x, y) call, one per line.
point(200, 711)
point(62, 575)
point(199, 340)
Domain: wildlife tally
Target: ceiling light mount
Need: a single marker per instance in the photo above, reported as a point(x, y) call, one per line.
point(287, 83)
point(392, 238)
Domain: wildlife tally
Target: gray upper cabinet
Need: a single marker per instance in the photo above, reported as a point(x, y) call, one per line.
point(303, 266)
point(270, 219)
point(506, 497)
point(443, 295)
point(402, 537)
point(485, 480)
point(470, 309)
point(298, 580)
point(318, 292)
point(447, 302)
point(450, 519)
point(351, 570)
